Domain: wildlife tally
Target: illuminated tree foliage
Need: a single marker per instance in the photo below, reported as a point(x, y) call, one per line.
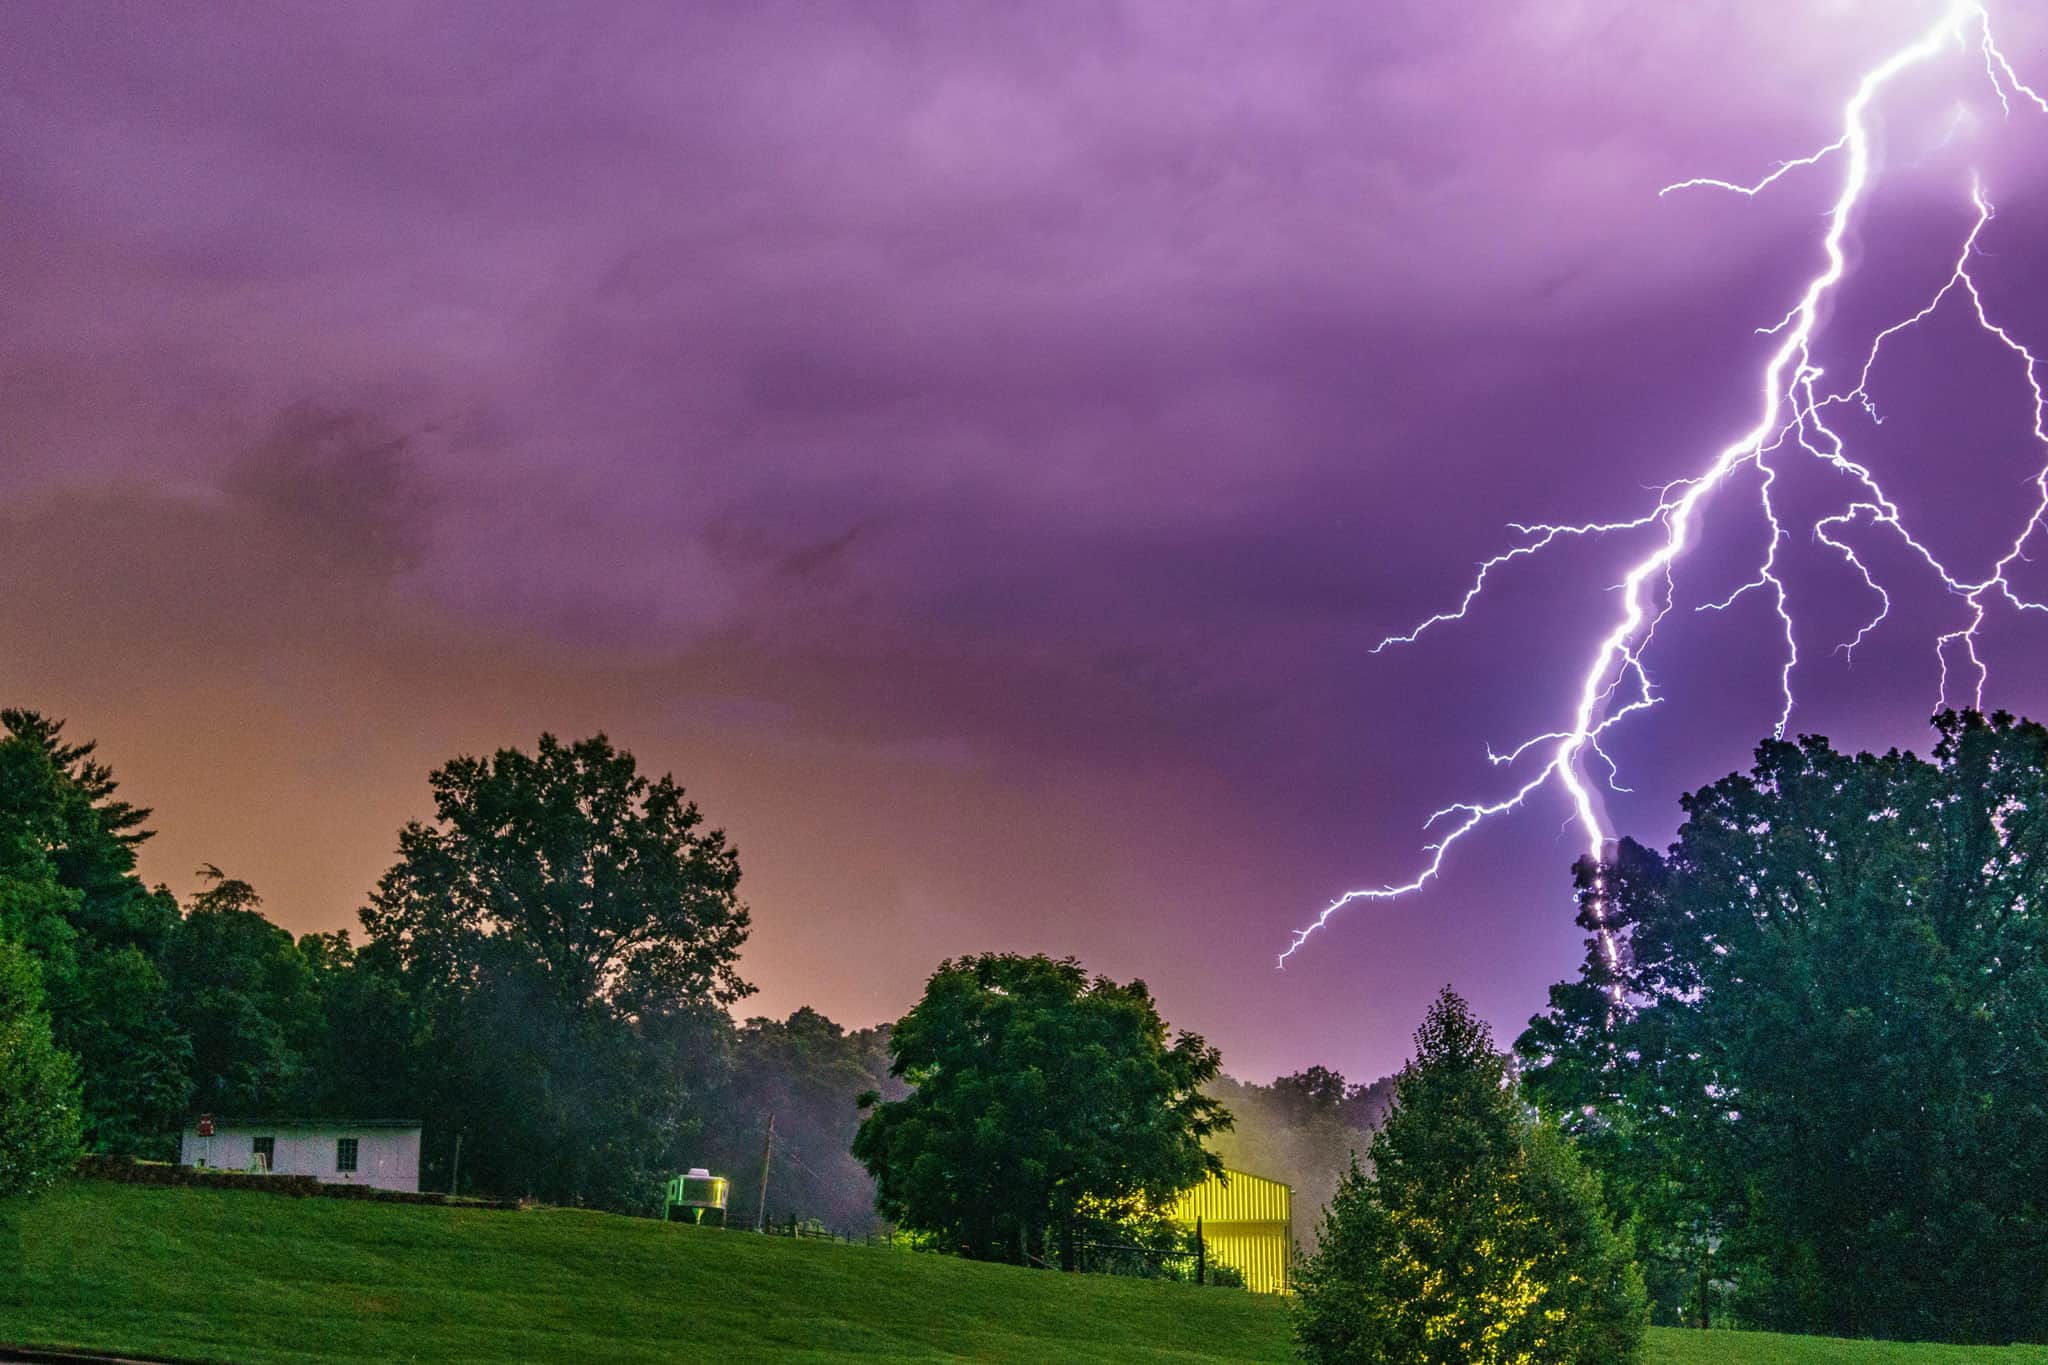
point(1478, 1239)
point(40, 1118)
point(1050, 1108)
point(70, 896)
point(1823, 1094)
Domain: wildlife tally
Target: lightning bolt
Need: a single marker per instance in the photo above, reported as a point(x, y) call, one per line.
point(1798, 418)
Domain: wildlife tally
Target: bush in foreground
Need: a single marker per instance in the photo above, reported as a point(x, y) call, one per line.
point(39, 1104)
point(1478, 1239)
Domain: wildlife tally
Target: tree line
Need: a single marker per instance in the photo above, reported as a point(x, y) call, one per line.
point(547, 977)
point(1808, 1081)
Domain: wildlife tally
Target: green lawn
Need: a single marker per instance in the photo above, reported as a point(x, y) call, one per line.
point(224, 1275)
point(1758, 1348)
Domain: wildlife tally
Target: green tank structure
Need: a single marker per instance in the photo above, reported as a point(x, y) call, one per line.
point(695, 1197)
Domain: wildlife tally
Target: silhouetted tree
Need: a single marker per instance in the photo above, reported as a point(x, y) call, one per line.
point(570, 866)
point(567, 932)
point(1815, 1078)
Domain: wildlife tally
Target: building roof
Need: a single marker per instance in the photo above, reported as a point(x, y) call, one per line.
point(235, 1121)
point(1237, 1197)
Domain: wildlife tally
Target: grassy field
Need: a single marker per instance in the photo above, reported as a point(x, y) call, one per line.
point(223, 1275)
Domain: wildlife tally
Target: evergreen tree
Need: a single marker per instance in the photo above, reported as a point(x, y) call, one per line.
point(39, 1102)
point(70, 896)
point(1478, 1238)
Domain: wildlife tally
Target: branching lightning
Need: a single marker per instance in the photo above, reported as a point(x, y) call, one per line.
point(1796, 420)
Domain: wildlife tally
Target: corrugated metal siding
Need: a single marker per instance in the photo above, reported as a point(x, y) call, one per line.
point(1248, 1223)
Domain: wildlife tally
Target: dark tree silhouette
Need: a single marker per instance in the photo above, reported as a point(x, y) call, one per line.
point(1820, 1092)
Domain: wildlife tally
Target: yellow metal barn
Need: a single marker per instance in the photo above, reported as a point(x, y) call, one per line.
point(1248, 1223)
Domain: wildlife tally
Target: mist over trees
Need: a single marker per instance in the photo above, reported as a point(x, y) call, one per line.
point(1817, 1079)
point(1304, 1130)
point(545, 978)
point(567, 933)
point(808, 1074)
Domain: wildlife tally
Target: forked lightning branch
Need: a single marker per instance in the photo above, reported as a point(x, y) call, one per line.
point(1803, 415)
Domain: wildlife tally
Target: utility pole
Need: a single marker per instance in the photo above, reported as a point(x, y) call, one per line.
point(761, 1210)
point(455, 1166)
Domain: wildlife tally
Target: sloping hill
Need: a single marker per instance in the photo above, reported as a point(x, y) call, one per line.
point(221, 1274)
point(232, 1276)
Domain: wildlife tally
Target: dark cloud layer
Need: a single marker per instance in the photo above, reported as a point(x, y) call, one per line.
point(975, 446)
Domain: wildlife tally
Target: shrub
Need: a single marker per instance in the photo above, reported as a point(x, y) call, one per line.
point(40, 1110)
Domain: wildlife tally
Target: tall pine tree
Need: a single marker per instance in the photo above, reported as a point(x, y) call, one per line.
point(1478, 1238)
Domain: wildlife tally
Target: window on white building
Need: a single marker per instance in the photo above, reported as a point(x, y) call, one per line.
point(266, 1151)
point(344, 1154)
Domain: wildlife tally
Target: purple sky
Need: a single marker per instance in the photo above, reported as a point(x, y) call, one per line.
point(975, 447)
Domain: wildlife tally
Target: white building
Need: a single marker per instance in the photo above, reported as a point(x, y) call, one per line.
point(383, 1153)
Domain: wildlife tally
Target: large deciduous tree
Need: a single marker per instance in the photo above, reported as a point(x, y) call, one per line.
point(567, 933)
point(1816, 1075)
point(1477, 1239)
point(570, 866)
point(1048, 1106)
